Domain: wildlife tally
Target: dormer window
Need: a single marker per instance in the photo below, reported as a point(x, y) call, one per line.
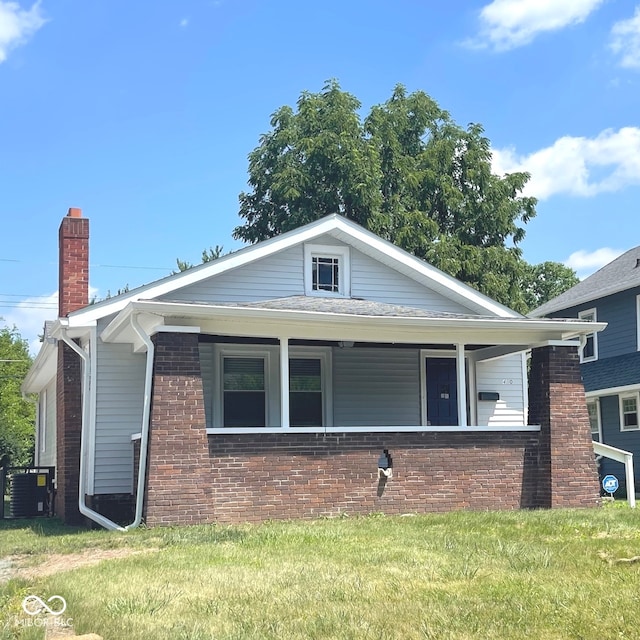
point(326, 270)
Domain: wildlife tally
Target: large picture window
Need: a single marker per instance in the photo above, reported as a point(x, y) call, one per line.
point(244, 392)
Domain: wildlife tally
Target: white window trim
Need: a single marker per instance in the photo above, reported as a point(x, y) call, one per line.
point(596, 402)
point(344, 269)
point(243, 351)
point(326, 376)
point(625, 396)
point(581, 316)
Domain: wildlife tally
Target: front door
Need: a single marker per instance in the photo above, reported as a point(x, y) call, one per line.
point(442, 392)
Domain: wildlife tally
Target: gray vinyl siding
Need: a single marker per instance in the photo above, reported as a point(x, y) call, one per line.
point(119, 405)
point(282, 275)
point(47, 454)
point(620, 312)
point(376, 387)
point(275, 276)
point(505, 376)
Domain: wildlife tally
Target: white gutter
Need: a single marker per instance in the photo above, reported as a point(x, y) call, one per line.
point(626, 457)
point(83, 508)
point(146, 413)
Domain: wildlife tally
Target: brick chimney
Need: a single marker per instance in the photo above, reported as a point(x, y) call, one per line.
point(73, 282)
point(73, 292)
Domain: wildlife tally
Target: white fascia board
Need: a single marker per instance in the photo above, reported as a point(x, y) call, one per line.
point(425, 273)
point(313, 325)
point(42, 370)
point(204, 271)
point(439, 280)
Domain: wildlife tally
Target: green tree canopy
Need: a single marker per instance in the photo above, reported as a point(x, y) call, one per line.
point(407, 172)
point(17, 415)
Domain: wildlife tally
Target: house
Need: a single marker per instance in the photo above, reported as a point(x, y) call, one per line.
point(324, 371)
point(610, 360)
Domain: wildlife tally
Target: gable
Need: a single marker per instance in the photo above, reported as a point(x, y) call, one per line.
point(281, 275)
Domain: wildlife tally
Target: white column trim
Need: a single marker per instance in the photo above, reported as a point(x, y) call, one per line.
point(462, 386)
point(284, 383)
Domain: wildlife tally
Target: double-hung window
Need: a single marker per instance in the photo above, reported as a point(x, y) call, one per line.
point(244, 391)
point(589, 351)
point(629, 412)
point(305, 392)
point(594, 419)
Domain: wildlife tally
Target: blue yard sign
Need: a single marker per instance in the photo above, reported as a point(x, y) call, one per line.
point(610, 484)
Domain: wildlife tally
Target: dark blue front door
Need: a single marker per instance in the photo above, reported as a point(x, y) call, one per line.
point(442, 392)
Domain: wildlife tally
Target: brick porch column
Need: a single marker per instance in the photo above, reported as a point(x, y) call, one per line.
point(567, 470)
point(178, 484)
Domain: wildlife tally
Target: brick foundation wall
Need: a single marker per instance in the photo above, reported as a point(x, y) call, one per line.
point(194, 478)
point(568, 474)
point(118, 507)
point(270, 476)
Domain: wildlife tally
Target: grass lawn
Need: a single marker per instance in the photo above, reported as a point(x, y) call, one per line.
point(523, 574)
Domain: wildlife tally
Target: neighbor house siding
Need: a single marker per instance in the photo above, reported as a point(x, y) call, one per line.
point(505, 376)
point(119, 404)
point(376, 387)
point(620, 312)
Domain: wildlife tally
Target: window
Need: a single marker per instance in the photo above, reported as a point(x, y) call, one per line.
point(594, 419)
point(244, 392)
point(326, 270)
point(305, 392)
point(629, 412)
point(589, 351)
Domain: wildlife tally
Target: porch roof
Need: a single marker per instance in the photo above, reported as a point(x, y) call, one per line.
point(317, 318)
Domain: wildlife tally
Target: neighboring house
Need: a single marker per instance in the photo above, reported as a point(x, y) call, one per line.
point(273, 381)
point(610, 359)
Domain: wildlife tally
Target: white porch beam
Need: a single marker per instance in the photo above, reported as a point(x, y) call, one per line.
point(284, 382)
point(462, 386)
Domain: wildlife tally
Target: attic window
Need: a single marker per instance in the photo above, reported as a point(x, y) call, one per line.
point(326, 270)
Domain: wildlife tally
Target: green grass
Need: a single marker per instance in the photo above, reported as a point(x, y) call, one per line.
point(522, 574)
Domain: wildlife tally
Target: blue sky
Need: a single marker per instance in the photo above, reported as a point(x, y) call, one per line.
point(142, 114)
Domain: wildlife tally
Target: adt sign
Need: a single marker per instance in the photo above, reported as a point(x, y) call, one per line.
point(610, 484)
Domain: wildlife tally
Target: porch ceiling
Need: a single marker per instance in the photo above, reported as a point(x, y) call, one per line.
point(311, 318)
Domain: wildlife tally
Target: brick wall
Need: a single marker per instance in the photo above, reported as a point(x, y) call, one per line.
point(568, 474)
point(73, 295)
point(252, 477)
point(178, 484)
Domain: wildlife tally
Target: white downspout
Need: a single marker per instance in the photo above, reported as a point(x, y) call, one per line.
point(83, 508)
point(146, 414)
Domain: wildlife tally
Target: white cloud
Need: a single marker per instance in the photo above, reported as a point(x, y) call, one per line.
point(17, 25)
point(507, 24)
point(578, 166)
point(625, 40)
point(585, 262)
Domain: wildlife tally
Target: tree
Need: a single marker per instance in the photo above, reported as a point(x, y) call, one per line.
point(547, 280)
point(207, 256)
point(17, 415)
